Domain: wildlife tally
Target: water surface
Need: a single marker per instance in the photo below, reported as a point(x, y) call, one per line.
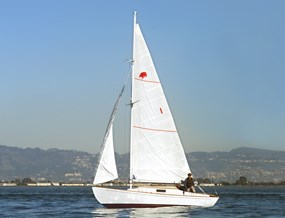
point(80, 202)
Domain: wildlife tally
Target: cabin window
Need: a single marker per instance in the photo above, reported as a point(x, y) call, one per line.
point(160, 190)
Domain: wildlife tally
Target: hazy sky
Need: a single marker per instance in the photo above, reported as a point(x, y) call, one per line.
point(221, 63)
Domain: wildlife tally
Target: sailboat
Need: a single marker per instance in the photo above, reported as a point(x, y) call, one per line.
point(157, 156)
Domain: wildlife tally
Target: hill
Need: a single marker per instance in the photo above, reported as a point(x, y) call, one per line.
point(74, 166)
point(258, 165)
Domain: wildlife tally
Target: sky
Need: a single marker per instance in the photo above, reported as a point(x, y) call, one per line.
point(221, 63)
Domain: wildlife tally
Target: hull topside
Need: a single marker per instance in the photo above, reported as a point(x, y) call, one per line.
point(151, 197)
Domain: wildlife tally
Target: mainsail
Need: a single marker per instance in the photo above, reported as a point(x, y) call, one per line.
point(157, 154)
point(106, 168)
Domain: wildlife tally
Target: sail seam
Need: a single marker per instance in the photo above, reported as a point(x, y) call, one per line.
point(158, 130)
point(147, 81)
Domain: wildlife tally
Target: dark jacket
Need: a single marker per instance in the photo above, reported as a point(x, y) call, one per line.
point(189, 182)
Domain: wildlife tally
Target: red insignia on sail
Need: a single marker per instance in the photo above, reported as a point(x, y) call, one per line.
point(143, 75)
point(161, 110)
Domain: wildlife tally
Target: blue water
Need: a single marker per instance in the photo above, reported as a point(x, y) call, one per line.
point(80, 202)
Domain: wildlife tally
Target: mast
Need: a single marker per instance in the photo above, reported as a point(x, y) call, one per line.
point(132, 80)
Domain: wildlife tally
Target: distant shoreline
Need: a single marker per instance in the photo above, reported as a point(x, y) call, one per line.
point(33, 185)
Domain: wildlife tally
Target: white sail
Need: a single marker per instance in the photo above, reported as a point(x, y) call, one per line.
point(157, 154)
point(106, 168)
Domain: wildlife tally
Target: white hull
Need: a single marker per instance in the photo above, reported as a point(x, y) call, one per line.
point(151, 197)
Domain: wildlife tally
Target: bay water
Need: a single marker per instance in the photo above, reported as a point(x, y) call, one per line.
point(250, 201)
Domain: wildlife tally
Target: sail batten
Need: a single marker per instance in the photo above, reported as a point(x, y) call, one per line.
point(158, 130)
